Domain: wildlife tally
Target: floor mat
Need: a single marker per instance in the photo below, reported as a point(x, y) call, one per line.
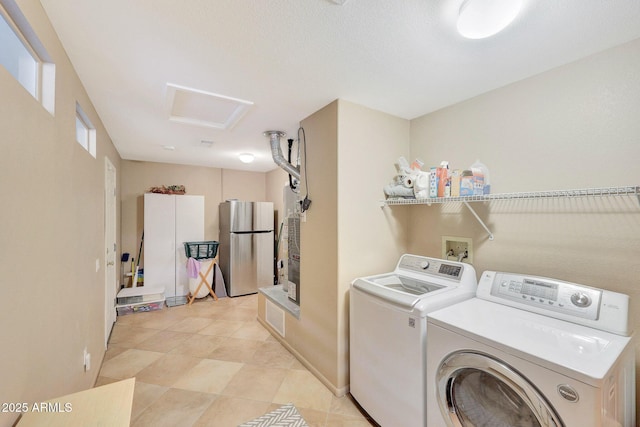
point(285, 416)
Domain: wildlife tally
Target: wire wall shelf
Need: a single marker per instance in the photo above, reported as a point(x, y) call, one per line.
point(631, 190)
point(555, 194)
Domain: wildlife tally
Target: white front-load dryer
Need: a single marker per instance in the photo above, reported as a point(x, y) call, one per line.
point(531, 351)
point(387, 323)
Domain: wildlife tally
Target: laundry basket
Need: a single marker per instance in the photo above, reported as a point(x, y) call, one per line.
point(203, 252)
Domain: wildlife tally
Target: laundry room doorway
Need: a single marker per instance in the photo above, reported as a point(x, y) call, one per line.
point(110, 247)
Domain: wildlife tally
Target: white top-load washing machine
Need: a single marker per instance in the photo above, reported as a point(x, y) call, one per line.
point(388, 334)
point(531, 351)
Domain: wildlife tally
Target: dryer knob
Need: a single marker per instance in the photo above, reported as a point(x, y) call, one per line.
point(581, 299)
point(424, 265)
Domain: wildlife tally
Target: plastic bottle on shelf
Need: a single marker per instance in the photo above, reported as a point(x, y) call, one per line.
point(417, 165)
point(466, 183)
point(443, 178)
point(482, 183)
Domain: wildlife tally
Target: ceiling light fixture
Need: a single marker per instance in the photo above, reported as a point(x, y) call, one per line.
point(479, 19)
point(246, 157)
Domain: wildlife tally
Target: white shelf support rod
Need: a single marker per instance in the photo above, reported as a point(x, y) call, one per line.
point(478, 219)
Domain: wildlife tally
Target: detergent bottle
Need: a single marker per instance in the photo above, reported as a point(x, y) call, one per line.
point(482, 182)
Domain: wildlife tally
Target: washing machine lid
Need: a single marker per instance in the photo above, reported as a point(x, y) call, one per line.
point(577, 351)
point(401, 290)
point(421, 283)
point(405, 284)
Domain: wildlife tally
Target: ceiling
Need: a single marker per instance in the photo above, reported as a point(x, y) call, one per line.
point(141, 60)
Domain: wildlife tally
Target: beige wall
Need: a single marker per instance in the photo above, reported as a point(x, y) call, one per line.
point(51, 234)
point(572, 127)
point(276, 181)
point(243, 185)
point(216, 185)
point(370, 143)
point(314, 335)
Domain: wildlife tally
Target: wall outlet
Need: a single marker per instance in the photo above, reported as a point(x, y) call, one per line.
point(87, 360)
point(457, 249)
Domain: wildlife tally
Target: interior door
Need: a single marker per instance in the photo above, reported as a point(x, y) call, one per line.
point(110, 248)
point(475, 389)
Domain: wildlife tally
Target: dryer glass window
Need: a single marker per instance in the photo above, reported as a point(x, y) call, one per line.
point(474, 389)
point(481, 399)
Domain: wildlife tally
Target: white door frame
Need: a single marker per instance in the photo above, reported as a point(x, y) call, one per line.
point(110, 241)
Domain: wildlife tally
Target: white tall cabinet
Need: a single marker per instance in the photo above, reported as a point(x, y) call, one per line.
point(169, 221)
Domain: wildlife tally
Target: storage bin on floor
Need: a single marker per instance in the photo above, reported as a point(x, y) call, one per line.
point(139, 299)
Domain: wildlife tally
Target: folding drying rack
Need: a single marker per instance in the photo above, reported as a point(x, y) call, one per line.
point(201, 251)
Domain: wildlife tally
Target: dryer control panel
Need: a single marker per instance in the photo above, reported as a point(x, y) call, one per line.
point(585, 305)
point(549, 294)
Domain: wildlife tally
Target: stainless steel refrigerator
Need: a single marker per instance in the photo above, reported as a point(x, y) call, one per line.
point(246, 246)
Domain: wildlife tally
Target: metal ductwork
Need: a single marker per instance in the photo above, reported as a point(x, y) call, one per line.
point(276, 153)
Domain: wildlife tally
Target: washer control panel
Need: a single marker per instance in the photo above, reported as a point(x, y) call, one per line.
point(431, 266)
point(549, 294)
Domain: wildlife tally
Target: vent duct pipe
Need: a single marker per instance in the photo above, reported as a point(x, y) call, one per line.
point(276, 153)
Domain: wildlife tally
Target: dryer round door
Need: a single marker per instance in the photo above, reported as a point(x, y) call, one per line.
point(475, 389)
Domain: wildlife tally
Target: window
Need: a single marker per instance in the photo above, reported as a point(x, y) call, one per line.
point(24, 57)
point(85, 131)
point(17, 59)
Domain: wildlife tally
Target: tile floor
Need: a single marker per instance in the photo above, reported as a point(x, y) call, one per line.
point(214, 364)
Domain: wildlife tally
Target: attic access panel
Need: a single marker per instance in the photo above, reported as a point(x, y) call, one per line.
point(201, 108)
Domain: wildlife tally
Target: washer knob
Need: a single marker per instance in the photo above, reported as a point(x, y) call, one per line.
point(424, 265)
point(581, 299)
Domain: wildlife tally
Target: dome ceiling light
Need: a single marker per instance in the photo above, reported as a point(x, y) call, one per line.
point(246, 157)
point(479, 19)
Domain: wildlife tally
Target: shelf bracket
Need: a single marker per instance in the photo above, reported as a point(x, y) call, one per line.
point(479, 219)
